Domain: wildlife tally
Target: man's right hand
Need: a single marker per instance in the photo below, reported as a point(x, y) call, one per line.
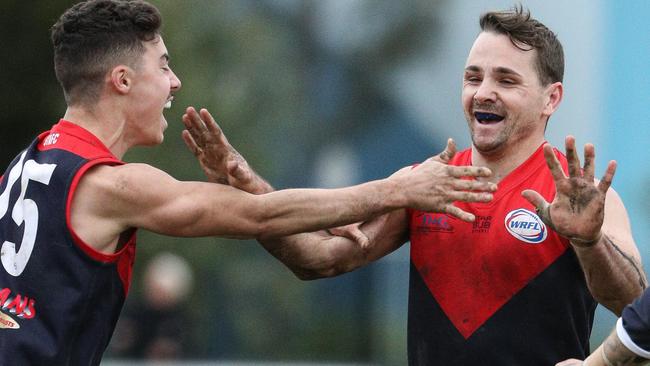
point(434, 186)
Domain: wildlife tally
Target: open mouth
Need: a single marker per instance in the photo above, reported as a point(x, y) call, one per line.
point(488, 118)
point(168, 105)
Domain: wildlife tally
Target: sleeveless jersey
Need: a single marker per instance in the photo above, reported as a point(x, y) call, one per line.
point(633, 327)
point(502, 290)
point(59, 298)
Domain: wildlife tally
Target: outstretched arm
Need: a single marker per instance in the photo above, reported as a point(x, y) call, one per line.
point(593, 218)
point(308, 255)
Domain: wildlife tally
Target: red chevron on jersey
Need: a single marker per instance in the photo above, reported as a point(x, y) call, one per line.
point(473, 269)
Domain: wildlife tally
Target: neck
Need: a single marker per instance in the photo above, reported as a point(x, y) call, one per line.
point(503, 161)
point(108, 127)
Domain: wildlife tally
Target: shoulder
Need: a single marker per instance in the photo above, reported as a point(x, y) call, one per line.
point(119, 174)
point(127, 180)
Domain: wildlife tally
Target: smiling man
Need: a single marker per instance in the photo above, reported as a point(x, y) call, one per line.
point(519, 285)
point(69, 207)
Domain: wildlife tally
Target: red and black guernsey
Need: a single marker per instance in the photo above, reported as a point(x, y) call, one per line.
point(503, 290)
point(59, 298)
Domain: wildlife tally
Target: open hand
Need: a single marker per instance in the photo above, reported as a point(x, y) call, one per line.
point(434, 185)
point(578, 209)
point(218, 159)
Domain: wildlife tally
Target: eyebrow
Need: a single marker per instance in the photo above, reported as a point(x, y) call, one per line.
point(499, 70)
point(506, 71)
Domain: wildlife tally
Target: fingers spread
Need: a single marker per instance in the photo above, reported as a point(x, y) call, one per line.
point(211, 124)
point(468, 171)
point(553, 163)
point(590, 157)
point(473, 185)
point(457, 212)
point(534, 198)
point(542, 207)
point(448, 153)
point(191, 144)
point(606, 181)
point(470, 196)
point(572, 157)
point(195, 126)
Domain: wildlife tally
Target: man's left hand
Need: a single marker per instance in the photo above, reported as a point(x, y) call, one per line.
point(578, 209)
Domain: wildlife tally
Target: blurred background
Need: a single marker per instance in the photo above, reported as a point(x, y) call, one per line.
point(324, 94)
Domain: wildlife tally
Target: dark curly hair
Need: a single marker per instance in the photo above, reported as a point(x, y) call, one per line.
point(93, 36)
point(527, 34)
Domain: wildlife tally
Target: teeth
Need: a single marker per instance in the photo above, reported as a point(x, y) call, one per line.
point(168, 104)
point(487, 117)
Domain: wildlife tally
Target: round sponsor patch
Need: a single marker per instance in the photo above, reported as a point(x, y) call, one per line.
point(526, 226)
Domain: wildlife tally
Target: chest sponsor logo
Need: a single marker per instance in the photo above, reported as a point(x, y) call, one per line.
point(428, 223)
point(481, 224)
point(14, 306)
point(526, 226)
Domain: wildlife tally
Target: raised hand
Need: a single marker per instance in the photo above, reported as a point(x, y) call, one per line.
point(434, 186)
point(578, 209)
point(353, 231)
point(218, 159)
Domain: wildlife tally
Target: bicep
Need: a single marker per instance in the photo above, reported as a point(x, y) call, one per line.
point(145, 197)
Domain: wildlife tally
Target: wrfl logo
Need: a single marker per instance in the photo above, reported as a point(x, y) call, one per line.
point(526, 226)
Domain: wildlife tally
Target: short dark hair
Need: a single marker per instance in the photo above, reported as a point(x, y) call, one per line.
point(527, 34)
point(93, 36)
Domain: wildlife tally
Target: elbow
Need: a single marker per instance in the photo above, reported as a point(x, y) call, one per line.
point(304, 274)
point(616, 302)
point(329, 269)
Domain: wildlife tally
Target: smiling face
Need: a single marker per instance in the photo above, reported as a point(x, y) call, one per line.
point(504, 102)
point(151, 92)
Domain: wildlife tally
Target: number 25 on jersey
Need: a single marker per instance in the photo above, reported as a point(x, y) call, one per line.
point(24, 211)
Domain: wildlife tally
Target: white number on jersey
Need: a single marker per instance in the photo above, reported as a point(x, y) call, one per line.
point(24, 210)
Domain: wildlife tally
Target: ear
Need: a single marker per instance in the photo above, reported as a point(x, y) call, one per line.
point(554, 94)
point(121, 79)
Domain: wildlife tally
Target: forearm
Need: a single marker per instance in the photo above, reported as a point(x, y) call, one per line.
point(317, 255)
point(613, 353)
point(614, 277)
point(292, 211)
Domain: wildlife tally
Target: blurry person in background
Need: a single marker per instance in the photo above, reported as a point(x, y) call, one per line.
point(155, 326)
point(629, 343)
point(520, 284)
